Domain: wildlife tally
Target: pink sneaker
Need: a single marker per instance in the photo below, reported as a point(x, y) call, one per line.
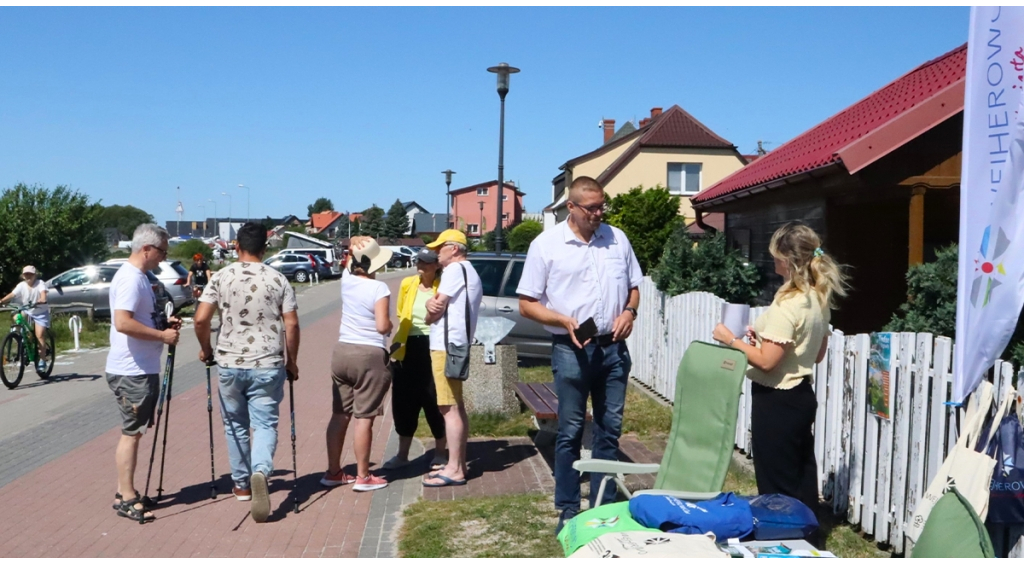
point(369, 483)
point(339, 479)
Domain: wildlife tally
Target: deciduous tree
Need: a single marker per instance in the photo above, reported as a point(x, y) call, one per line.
point(647, 217)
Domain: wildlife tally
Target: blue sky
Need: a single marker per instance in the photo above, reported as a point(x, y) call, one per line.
point(369, 105)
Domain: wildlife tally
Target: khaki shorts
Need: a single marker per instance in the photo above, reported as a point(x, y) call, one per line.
point(449, 392)
point(136, 399)
point(361, 380)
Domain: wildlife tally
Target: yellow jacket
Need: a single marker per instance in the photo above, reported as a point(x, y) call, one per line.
point(406, 300)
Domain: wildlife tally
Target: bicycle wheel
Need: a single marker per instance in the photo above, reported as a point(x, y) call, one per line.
point(11, 367)
point(51, 356)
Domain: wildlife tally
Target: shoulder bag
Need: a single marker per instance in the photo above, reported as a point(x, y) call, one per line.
point(456, 362)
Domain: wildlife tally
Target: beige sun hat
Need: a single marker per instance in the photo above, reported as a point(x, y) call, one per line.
point(370, 257)
point(28, 270)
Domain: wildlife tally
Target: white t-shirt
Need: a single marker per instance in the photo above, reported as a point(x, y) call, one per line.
point(581, 280)
point(25, 294)
point(358, 321)
point(453, 286)
point(128, 356)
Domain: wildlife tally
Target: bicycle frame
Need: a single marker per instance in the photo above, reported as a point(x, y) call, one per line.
point(23, 324)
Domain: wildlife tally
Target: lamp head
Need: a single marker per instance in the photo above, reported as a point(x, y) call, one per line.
point(503, 70)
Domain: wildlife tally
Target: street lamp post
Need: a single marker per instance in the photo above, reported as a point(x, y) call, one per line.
point(448, 200)
point(247, 213)
point(480, 228)
point(503, 70)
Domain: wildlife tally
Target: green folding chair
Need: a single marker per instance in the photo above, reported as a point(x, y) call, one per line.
point(953, 530)
point(700, 445)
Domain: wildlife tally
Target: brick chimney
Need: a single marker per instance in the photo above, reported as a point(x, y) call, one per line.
point(609, 129)
point(644, 122)
point(655, 112)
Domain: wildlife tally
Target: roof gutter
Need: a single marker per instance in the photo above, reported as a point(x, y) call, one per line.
point(778, 183)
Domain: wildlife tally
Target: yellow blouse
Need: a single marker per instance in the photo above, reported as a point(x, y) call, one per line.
point(799, 320)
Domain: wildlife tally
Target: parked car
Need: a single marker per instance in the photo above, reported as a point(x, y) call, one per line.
point(401, 256)
point(91, 285)
point(500, 276)
point(329, 255)
point(173, 276)
point(293, 266)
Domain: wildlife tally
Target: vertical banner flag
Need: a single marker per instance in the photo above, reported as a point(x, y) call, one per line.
point(990, 282)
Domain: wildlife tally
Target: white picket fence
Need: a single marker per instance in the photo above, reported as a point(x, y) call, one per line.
point(871, 470)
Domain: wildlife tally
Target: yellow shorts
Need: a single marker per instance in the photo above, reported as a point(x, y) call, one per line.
point(449, 392)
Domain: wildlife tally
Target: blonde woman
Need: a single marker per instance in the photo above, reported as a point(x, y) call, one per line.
point(787, 341)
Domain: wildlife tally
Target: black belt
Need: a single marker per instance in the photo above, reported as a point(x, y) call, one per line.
point(600, 340)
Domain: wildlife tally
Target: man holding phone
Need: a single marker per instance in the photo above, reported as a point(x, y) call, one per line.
point(581, 281)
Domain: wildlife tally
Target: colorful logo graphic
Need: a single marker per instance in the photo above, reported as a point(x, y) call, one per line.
point(602, 523)
point(988, 267)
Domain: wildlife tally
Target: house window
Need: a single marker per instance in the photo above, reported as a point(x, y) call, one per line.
point(504, 217)
point(481, 191)
point(683, 178)
point(504, 197)
point(473, 228)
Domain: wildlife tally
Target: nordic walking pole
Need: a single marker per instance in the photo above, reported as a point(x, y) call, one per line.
point(209, 412)
point(295, 465)
point(168, 310)
point(146, 502)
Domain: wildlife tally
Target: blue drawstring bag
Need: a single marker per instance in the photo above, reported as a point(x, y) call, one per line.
point(727, 516)
point(780, 517)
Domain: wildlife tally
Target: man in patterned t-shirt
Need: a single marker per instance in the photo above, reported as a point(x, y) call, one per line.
point(258, 316)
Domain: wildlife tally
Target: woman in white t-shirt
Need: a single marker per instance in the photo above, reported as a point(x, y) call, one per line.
point(359, 364)
point(33, 291)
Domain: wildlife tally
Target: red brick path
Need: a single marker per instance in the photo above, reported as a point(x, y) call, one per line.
point(64, 507)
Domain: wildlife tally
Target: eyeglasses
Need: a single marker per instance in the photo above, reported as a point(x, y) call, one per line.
point(163, 250)
point(592, 210)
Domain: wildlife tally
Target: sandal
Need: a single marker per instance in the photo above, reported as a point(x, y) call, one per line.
point(117, 504)
point(127, 509)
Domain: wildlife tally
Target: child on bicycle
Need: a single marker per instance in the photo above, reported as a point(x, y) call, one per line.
point(33, 291)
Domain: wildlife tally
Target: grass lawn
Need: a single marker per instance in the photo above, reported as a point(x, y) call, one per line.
point(523, 525)
point(491, 527)
point(94, 333)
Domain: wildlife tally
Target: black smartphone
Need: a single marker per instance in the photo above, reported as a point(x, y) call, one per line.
point(587, 330)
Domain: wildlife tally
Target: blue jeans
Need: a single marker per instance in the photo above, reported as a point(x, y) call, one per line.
point(602, 374)
point(250, 397)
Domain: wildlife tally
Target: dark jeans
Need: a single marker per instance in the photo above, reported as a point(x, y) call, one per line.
point(600, 373)
point(412, 389)
point(783, 442)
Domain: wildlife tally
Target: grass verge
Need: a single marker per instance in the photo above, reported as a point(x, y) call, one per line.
point(506, 526)
point(94, 333)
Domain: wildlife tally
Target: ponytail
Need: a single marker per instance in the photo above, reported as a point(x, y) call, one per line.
point(809, 267)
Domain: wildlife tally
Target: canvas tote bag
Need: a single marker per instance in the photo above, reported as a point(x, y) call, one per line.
point(970, 471)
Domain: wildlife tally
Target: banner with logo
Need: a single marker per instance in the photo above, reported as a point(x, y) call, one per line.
point(990, 285)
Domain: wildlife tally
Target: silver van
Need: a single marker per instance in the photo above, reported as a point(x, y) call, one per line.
point(500, 276)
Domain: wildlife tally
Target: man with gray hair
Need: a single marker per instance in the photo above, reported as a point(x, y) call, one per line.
point(138, 334)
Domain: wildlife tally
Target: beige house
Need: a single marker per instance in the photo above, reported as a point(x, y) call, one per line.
point(669, 148)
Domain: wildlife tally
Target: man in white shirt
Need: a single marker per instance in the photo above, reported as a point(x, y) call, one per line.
point(584, 269)
point(137, 338)
point(447, 315)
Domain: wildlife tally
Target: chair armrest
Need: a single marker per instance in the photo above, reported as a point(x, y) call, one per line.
point(614, 467)
point(689, 496)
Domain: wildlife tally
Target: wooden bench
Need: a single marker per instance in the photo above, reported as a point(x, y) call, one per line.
point(542, 400)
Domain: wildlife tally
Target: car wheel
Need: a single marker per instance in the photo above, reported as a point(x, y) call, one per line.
point(301, 276)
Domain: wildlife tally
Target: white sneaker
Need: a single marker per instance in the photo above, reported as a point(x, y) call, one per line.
point(369, 483)
point(395, 462)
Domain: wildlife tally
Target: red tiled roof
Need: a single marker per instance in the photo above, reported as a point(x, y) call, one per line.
point(489, 183)
point(820, 146)
point(323, 219)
